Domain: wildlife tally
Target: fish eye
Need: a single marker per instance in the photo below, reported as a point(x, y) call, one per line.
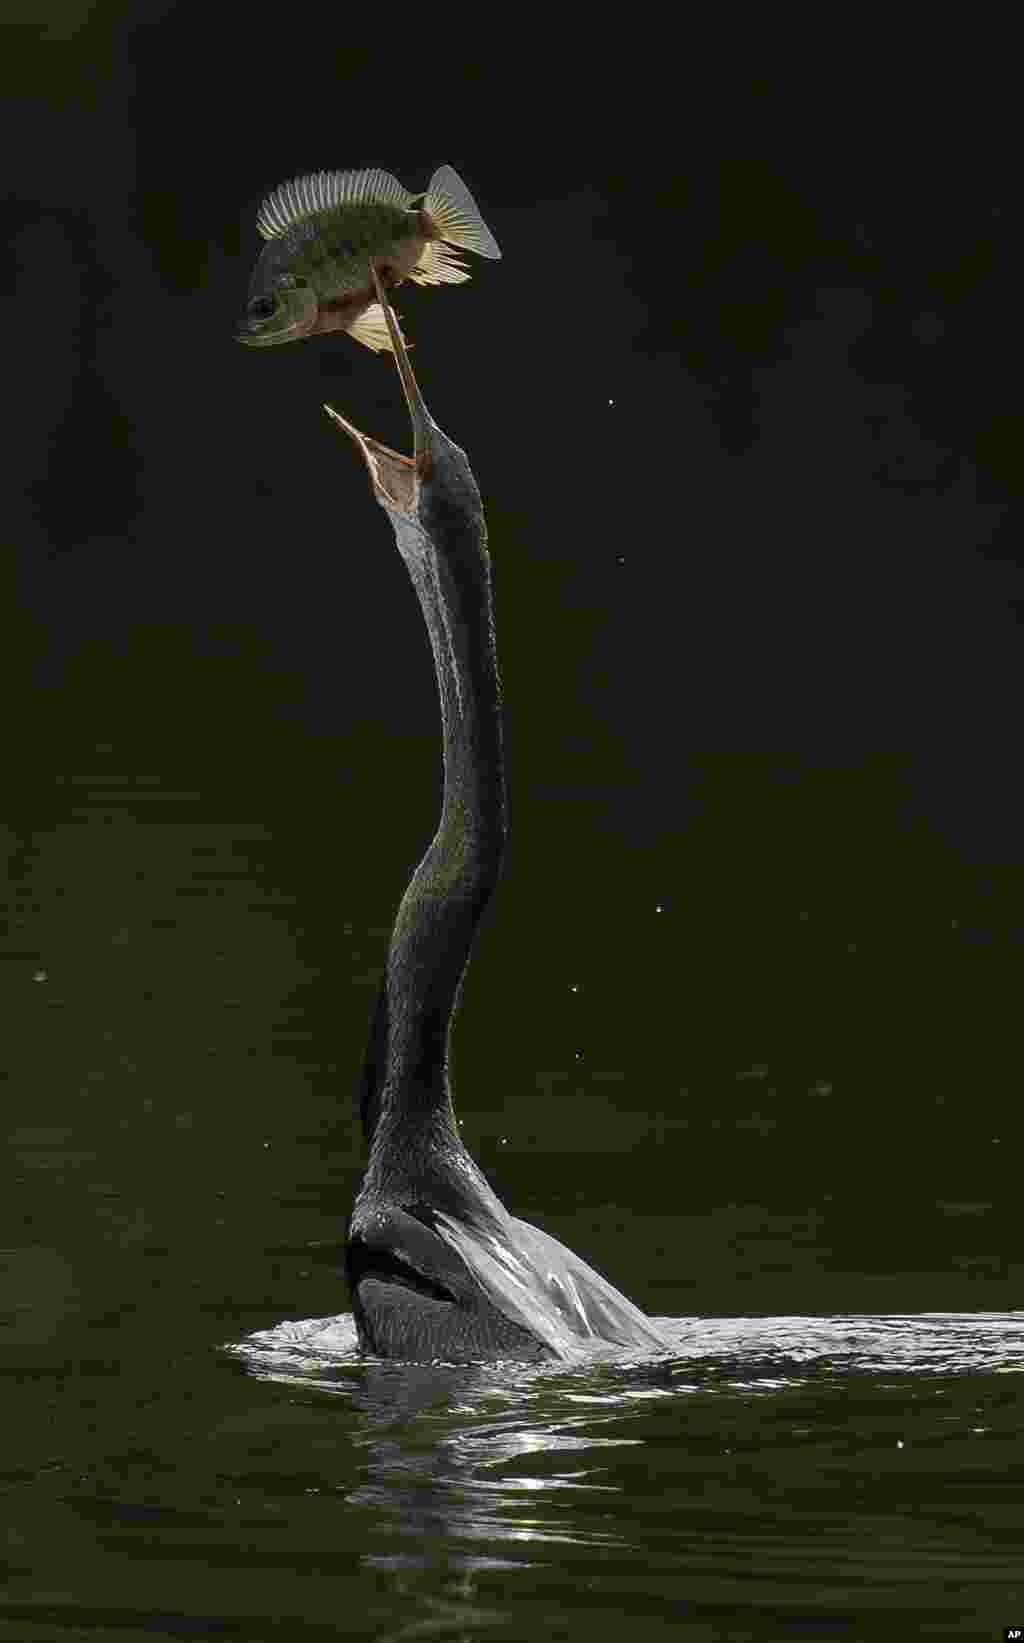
point(261, 307)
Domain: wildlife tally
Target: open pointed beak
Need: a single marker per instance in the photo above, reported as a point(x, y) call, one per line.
point(392, 475)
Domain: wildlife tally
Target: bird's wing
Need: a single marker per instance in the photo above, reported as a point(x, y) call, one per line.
point(538, 1283)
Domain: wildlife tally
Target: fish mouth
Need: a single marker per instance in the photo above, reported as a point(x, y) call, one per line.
point(291, 320)
point(252, 339)
point(254, 336)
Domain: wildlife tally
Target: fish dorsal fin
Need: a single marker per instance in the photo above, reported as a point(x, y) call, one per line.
point(371, 329)
point(438, 265)
point(455, 214)
point(325, 191)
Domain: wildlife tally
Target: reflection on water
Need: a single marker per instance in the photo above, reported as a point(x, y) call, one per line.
point(834, 1468)
point(754, 1353)
point(853, 1476)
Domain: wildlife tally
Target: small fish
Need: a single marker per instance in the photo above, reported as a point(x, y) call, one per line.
point(313, 275)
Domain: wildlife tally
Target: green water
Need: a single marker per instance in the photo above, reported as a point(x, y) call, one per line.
point(819, 1198)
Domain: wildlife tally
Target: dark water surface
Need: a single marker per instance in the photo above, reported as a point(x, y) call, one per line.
point(780, 1477)
point(816, 1183)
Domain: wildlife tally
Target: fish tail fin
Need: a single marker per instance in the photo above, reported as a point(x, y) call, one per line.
point(453, 212)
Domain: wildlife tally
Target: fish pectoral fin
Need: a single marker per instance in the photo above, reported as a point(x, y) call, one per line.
point(438, 265)
point(371, 329)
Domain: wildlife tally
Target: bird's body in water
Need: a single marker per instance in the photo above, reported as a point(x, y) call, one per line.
point(313, 275)
point(438, 1268)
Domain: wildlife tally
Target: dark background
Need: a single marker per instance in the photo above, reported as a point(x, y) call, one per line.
point(738, 401)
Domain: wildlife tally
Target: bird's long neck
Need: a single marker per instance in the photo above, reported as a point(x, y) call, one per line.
point(406, 1095)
